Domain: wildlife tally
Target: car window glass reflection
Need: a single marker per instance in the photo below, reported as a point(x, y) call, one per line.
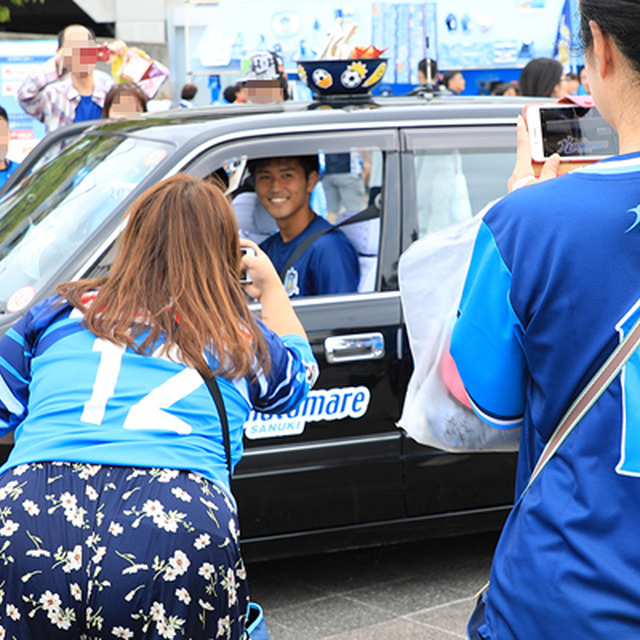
point(54, 210)
point(452, 186)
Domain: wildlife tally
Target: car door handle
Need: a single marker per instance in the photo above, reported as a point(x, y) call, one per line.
point(359, 346)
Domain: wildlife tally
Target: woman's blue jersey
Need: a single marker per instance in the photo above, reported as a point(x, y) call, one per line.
point(73, 397)
point(554, 284)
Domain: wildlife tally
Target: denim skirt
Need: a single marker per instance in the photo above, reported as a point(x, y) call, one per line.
point(95, 552)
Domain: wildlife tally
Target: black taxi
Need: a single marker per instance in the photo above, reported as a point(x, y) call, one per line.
point(337, 472)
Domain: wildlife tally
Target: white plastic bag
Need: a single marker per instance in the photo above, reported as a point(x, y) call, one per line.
point(431, 276)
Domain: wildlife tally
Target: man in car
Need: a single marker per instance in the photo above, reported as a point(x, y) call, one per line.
point(68, 88)
point(312, 256)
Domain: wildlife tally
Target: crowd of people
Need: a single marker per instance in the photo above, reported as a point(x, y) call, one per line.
point(136, 519)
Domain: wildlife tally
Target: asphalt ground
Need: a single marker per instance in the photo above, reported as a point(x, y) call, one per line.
point(416, 591)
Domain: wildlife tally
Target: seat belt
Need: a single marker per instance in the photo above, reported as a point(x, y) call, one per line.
point(370, 213)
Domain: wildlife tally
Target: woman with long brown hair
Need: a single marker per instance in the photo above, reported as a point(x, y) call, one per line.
point(116, 514)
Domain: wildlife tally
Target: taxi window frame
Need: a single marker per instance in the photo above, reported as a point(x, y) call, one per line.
point(332, 140)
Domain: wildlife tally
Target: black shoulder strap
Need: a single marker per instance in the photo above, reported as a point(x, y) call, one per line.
point(214, 390)
point(369, 213)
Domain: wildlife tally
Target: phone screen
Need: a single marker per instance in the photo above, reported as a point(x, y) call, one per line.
point(577, 132)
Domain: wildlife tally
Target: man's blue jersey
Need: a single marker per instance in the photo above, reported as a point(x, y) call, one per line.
point(73, 397)
point(553, 285)
point(5, 173)
point(329, 264)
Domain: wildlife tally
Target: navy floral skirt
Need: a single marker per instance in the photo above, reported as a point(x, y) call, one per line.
point(96, 552)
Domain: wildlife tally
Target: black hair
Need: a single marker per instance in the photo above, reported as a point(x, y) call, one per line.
point(61, 33)
point(448, 76)
point(308, 163)
point(189, 91)
point(540, 76)
point(229, 93)
point(618, 18)
point(433, 65)
point(3, 115)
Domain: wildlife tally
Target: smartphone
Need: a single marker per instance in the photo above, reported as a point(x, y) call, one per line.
point(91, 55)
point(577, 134)
point(245, 277)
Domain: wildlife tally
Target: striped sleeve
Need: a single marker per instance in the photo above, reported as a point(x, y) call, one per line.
point(293, 372)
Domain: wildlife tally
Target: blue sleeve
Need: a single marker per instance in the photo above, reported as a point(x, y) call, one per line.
point(334, 264)
point(293, 372)
point(486, 339)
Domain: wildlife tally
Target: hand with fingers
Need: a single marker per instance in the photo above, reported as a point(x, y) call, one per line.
point(523, 173)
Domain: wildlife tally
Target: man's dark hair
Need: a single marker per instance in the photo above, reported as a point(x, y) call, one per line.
point(61, 33)
point(3, 115)
point(433, 66)
point(449, 75)
point(230, 93)
point(308, 163)
point(189, 91)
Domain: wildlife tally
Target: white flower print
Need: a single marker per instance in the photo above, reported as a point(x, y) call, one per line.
point(152, 508)
point(98, 555)
point(157, 611)
point(73, 560)
point(31, 508)
point(93, 539)
point(3, 633)
point(181, 494)
point(38, 553)
point(122, 632)
point(202, 541)
point(166, 475)
point(68, 501)
point(75, 516)
point(230, 586)
point(165, 630)
point(50, 601)
point(206, 570)
point(89, 470)
point(205, 605)
point(170, 574)
point(7, 489)
point(13, 612)
point(183, 595)
point(180, 562)
point(134, 568)
point(76, 591)
point(115, 529)
point(224, 626)
point(233, 529)
point(9, 528)
point(20, 469)
point(91, 493)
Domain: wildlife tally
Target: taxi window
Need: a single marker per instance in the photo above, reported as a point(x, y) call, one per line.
point(455, 175)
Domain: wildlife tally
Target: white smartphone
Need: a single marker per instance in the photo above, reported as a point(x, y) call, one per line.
point(245, 277)
point(577, 134)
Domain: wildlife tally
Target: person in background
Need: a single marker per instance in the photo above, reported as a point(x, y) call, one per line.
point(236, 93)
point(7, 167)
point(329, 264)
point(584, 89)
point(429, 79)
point(117, 510)
point(505, 89)
point(454, 81)
point(124, 101)
point(542, 77)
point(187, 95)
point(68, 88)
point(571, 83)
point(265, 79)
point(551, 290)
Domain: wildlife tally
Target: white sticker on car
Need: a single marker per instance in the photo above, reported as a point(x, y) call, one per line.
point(319, 405)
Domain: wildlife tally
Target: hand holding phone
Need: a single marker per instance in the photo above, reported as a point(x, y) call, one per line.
point(576, 133)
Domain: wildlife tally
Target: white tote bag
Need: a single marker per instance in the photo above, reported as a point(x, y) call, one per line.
point(431, 276)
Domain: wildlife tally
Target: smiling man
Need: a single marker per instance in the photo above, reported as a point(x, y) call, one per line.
point(312, 256)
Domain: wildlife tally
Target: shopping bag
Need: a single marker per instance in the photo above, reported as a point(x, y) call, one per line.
point(431, 277)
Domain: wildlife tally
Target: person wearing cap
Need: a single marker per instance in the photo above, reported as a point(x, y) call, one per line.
point(264, 78)
point(67, 88)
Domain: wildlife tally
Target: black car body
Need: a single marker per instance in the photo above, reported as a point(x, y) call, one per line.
point(339, 473)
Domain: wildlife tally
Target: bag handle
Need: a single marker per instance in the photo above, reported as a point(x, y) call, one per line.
point(607, 373)
point(214, 390)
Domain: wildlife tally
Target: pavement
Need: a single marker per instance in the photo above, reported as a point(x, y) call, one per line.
point(416, 591)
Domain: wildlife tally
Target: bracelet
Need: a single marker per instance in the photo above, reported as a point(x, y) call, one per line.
point(523, 182)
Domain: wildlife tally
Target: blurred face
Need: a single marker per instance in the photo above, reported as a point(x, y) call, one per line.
point(242, 95)
point(264, 91)
point(457, 84)
point(283, 188)
point(125, 106)
point(511, 91)
point(584, 79)
point(76, 39)
point(4, 138)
